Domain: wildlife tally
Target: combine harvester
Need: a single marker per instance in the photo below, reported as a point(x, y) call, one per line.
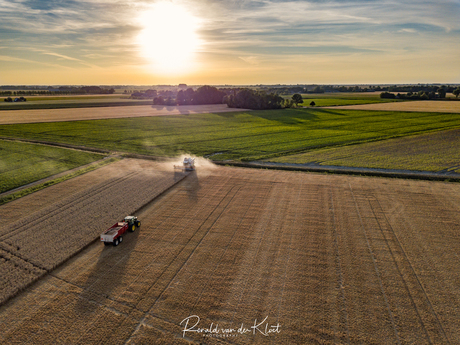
point(187, 165)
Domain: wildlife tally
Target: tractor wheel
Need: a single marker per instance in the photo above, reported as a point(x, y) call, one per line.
point(132, 228)
point(138, 223)
point(115, 242)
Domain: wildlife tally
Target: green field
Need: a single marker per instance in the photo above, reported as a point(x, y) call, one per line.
point(23, 163)
point(239, 136)
point(438, 151)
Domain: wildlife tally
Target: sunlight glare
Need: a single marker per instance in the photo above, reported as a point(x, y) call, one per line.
point(169, 39)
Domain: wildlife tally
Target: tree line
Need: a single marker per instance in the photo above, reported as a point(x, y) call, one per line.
point(233, 97)
point(440, 93)
point(60, 91)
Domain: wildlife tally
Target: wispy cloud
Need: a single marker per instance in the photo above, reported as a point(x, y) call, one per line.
point(253, 33)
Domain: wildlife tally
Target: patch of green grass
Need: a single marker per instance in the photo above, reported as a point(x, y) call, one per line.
point(240, 135)
point(40, 186)
point(23, 163)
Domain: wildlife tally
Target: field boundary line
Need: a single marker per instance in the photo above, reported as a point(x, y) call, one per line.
point(372, 172)
point(375, 266)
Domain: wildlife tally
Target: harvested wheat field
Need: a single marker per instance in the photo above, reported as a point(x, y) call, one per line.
point(240, 256)
point(78, 114)
point(42, 230)
point(419, 106)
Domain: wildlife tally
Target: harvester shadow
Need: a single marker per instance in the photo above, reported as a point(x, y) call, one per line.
point(178, 175)
point(106, 275)
point(283, 116)
point(191, 185)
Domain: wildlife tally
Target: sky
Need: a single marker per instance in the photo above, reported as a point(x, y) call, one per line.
point(235, 42)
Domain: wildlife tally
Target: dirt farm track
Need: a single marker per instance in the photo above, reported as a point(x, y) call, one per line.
point(234, 255)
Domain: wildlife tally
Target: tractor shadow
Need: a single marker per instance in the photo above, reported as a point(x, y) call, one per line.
point(107, 274)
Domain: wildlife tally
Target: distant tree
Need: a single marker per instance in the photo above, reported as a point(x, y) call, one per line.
point(424, 96)
point(442, 92)
point(252, 99)
point(180, 98)
point(387, 95)
point(208, 95)
point(318, 89)
point(297, 98)
point(158, 100)
point(312, 103)
point(150, 93)
point(170, 101)
point(289, 103)
point(456, 92)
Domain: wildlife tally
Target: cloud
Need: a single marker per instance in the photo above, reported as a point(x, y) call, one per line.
point(7, 58)
point(250, 32)
point(252, 60)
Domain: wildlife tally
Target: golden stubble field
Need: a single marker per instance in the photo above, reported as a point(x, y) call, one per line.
point(97, 113)
point(262, 257)
point(420, 106)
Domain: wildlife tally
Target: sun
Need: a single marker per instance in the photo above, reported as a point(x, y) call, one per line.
point(169, 39)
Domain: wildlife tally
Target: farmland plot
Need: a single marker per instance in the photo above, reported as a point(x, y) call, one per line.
point(422, 106)
point(438, 151)
point(262, 257)
point(41, 238)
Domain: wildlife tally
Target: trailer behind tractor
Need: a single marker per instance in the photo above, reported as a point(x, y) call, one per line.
point(114, 234)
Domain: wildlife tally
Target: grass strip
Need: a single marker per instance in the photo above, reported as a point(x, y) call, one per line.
point(19, 194)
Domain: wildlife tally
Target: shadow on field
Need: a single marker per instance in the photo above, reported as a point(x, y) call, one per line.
point(192, 186)
point(327, 111)
point(107, 274)
point(171, 108)
point(287, 116)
